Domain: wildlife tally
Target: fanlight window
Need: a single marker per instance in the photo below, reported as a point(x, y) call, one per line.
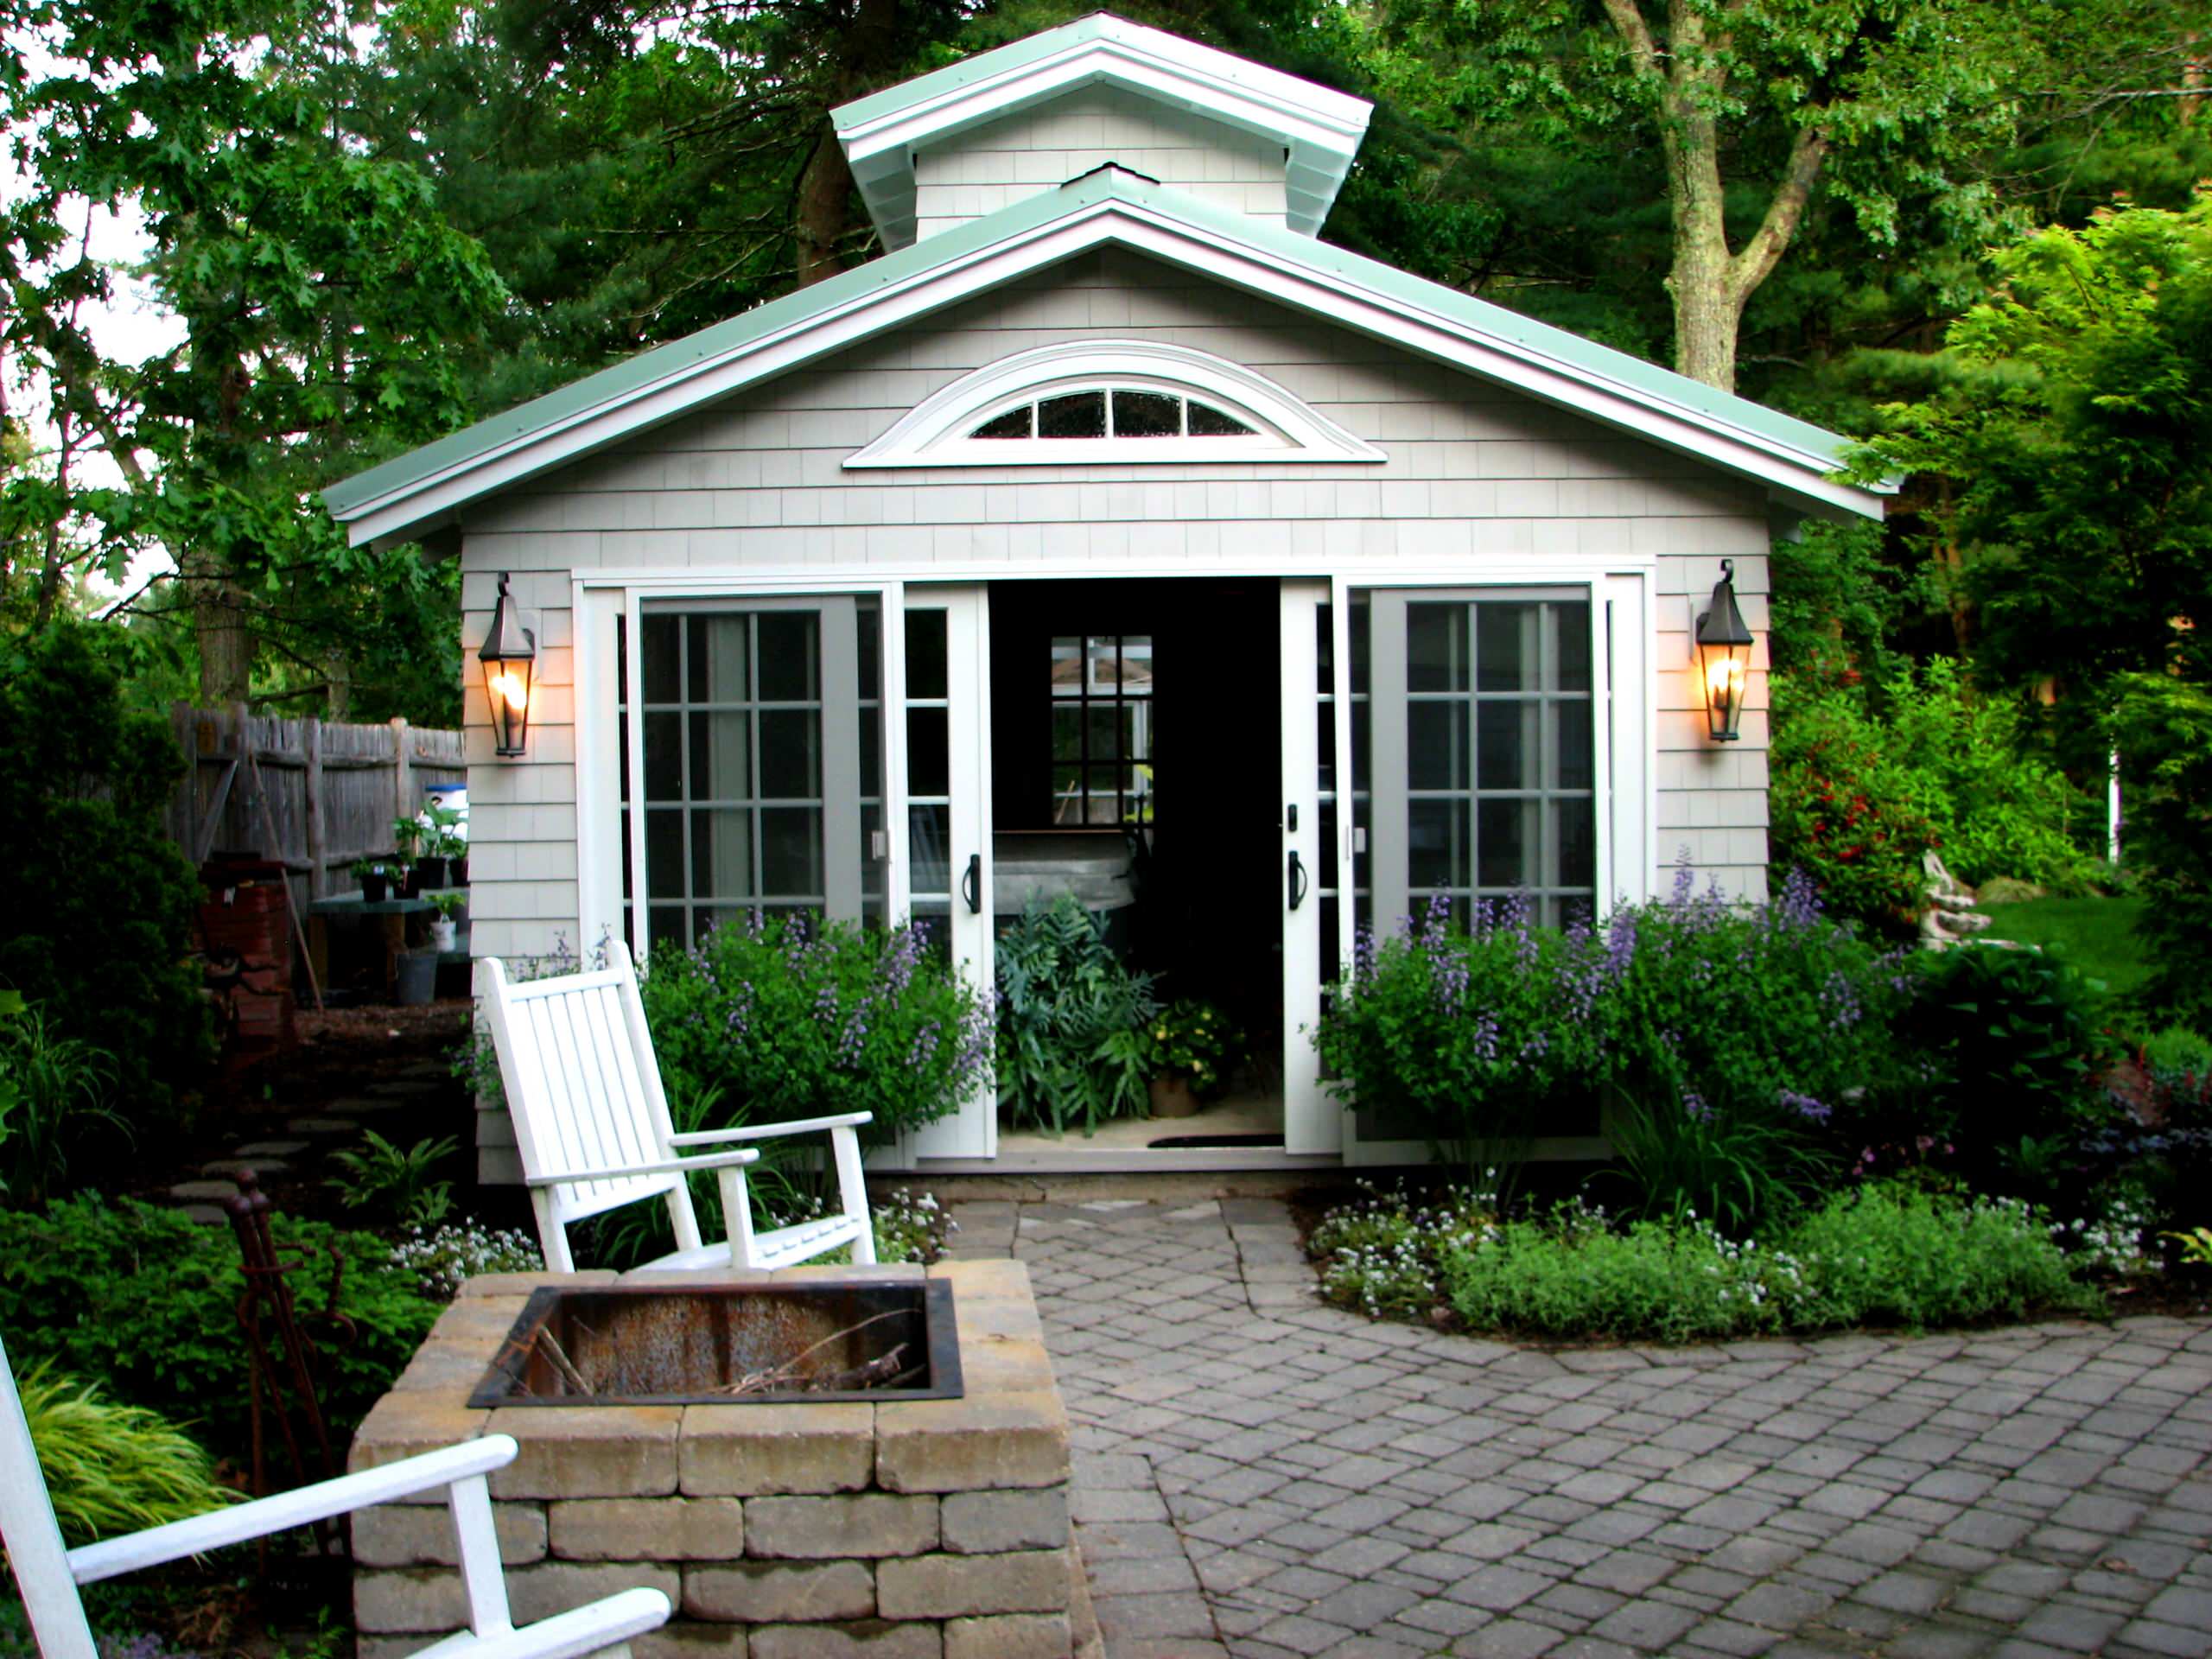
point(1111, 402)
point(1118, 412)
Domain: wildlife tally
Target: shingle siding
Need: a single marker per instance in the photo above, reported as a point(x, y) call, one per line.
point(1472, 469)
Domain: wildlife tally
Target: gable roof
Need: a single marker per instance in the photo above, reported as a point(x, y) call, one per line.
point(1320, 128)
point(427, 487)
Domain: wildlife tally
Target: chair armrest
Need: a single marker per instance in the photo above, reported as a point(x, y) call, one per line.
point(572, 1635)
point(801, 1126)
point(241, 1521)
point(713, 1160)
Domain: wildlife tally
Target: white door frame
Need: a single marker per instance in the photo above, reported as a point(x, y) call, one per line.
point(1312, 1119)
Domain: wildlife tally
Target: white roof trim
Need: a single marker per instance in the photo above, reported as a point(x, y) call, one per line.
point(935, 432)
point(1321, 129)
point(1793, 474)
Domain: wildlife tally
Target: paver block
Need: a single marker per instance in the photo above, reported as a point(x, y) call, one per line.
point(861, 1524)
point(951, 1587)
point(862, 1639)
point(780, 1593)
point(589, 1451)
point(984, 1523)
point(688, 1639)
point(647, 1528)
point(1010, 1635)
point(982, 1442)
point(421, 1535)
point(552, 1588)
point(748, 1451)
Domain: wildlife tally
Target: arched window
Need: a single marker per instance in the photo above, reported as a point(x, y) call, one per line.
point(1111, 401)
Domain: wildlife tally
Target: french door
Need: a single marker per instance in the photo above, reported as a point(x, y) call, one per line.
point(781, 753)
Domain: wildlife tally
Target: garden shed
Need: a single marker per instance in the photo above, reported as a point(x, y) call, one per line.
point(1112, 533)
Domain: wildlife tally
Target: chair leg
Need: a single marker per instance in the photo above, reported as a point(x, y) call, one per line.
point(852, 1189)
point(552, 1236)
point(737, 1215)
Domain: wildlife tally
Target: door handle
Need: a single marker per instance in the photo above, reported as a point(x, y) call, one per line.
point(971, 884)
point(1297, 880)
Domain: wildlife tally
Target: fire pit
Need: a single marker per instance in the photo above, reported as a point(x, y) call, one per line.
point(822, 1341)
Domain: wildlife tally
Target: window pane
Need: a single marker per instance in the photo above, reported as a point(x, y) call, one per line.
point(1436, 844)
point(1207, 421)
point(1105, 670)
point(788, 642)
point(715, 663)
point(660, 668)
point(1105, 795)
point(790, 851)
point(1080, 415)
point(1507, 845)
point(929, 837)
point(1067, 787)
point(1436, 745)
point(1067, 732)
point(1147, 415)
point(1573, 624)
point(1506, 647)
point(1136, 662)
point(722, 854)
point(925, 653)
point(870, 618)
point(1505, 746)
point(791, 755)
point(1067, 668)
point(1578, 844)
point(1136, 729)
point(722, 756)
point(1577, 752)
point(1436, 648)
point(664, 925)
point(929, 752)
point(664, 757)
point(664, 855)
point(1014, 423)
point(1098, 721)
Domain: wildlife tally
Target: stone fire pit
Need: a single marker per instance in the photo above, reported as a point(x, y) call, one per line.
point(900, 1528)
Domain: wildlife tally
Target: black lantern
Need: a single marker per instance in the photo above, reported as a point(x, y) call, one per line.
point(1724, 657)
point(510, 650)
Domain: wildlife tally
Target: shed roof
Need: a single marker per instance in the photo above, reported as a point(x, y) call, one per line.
point(428, 487)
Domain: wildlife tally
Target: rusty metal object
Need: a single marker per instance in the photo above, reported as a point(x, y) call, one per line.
point(651, 1345)
point(281, 1358)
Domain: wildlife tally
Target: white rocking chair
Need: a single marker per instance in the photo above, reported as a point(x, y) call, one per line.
point(47, 1574)
point(592, 1123)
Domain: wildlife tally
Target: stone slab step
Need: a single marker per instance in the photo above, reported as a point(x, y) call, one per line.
point(270, 1149)
point(207, 1214)
point(322, 1126)
point(263, 1167)
point(208, 1193)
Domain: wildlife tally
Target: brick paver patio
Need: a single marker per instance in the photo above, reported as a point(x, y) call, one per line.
point(1258, 1474)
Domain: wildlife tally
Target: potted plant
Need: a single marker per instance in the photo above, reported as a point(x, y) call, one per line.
point(1191, 1045)
point(375, 876)
point(446, 924)
point(446, 836)
point(425, 870)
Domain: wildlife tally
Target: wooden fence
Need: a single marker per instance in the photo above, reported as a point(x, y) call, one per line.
point(313, 797)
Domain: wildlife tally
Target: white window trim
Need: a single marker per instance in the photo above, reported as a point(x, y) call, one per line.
point(935, 432)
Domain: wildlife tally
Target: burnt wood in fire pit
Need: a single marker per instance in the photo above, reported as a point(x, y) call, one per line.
point(728, 1344)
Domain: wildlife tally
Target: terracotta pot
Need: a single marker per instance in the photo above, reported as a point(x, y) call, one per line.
point(1171, 1095)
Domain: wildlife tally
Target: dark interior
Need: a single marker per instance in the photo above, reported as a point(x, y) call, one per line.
point(1208, 916)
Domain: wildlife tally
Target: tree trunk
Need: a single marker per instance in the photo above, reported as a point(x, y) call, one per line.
point(1701, 283)
point(219, 623)
point(825, 189)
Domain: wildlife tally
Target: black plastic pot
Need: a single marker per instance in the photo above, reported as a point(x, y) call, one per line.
point(416, 978)
point(425, 876)
point(457, 872)
point(374, 888)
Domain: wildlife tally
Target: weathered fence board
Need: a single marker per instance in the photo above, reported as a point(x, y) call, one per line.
point(333, 789)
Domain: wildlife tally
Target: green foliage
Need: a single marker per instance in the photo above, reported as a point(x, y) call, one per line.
point(1838, 602)
point(1383, 1254)
point(53, 1091)
point(2163, 728)
point(1735, 1168)
point(2095, 933)
point(774, 1019)
point(1072, 1040)
point(100, 903)
point(2014, 1039)
point(1193, 1039)
point(111, 1468)
point(1881, 1255)
point(144, 1303)
point(396, 1182)
point(1868, 774)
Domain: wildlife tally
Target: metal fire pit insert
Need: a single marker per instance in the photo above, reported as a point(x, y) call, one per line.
point(664, 1345)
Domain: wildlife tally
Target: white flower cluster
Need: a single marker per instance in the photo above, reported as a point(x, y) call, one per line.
point(2112, 1242)
point(447, 1258)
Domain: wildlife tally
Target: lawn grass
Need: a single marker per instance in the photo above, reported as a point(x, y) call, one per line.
point(2096, 935)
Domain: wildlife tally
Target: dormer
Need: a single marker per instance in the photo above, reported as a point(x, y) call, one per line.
point(967, 140)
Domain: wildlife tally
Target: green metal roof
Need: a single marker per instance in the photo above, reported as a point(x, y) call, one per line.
point(982, 66)
point(1815, 449)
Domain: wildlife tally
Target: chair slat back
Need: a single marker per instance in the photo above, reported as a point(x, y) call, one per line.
point(583, 1094)
point(34, 1538)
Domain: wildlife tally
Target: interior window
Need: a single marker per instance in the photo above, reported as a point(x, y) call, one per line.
point(1118, 412)
point(1101, 728)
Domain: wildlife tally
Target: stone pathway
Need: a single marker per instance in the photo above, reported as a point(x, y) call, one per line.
point(1259, 1475)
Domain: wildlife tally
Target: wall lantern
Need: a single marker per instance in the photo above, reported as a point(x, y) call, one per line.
point(1724, 657)
point(510, 650)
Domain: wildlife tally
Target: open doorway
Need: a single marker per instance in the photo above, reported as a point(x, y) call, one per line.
point(1136, 763)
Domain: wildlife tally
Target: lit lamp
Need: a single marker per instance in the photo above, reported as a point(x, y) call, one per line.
point(1724, 657)
point(510, 649)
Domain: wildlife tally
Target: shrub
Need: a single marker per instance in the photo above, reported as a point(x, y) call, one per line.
point(1866, 775)
point(99, 904)
point(53, 1090)
point(1877, 1255)
point(143, 1302)
point(395, 1181)
point(2162, 726)
point(112, 1468)
point(774, 1019)
point(443, 1260)
point(1071, 1044)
